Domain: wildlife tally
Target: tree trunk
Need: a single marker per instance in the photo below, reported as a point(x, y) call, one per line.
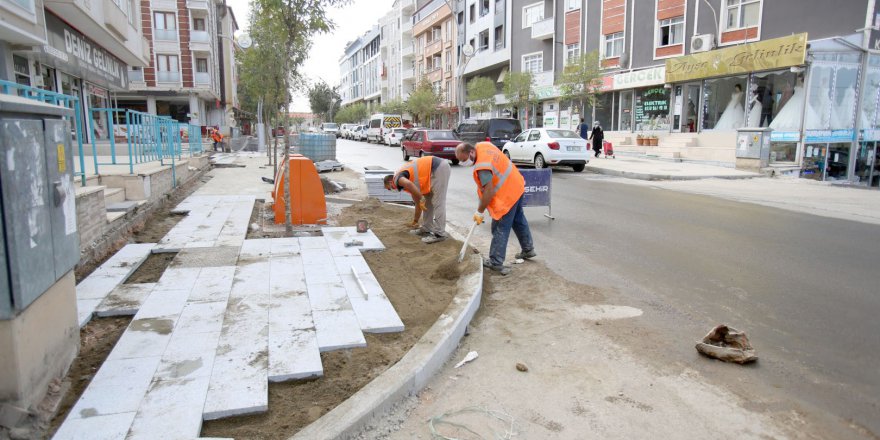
point(288, 226)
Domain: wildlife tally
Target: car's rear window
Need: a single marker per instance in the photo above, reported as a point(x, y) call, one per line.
point(441, 135)
point(504, 128)
point(330, 125)
point(562, 134)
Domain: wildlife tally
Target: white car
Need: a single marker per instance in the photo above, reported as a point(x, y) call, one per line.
point(393, 137)
point(543, 147)
point(345, 130)
point(330, 128)
point(359, 133)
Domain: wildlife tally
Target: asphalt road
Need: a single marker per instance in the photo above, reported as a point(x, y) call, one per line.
point(805, 288)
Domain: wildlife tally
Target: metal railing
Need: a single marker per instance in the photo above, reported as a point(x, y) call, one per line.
point(194, 138)
point(68, 101)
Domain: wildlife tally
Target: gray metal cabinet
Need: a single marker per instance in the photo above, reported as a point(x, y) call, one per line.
point(37, 193)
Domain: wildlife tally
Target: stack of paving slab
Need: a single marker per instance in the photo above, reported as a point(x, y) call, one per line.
point(220, 324)
point(376, 188)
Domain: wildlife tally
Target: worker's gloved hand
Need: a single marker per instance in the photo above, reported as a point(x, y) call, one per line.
point(478, 218)
point(423, 205)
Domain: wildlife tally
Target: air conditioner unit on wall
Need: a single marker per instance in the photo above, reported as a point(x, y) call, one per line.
point(702, 43)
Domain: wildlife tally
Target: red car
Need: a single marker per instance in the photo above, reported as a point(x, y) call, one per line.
point(426, 142)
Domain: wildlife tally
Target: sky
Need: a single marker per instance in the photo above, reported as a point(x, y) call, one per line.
point(323, 61)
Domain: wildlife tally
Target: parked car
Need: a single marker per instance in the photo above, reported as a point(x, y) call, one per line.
point(394, 136)
point(495, 130)
point(343, 131)
point(359, 133)
point(330, 128)
point(425, 142)
point(545, 147)
point(381, 123)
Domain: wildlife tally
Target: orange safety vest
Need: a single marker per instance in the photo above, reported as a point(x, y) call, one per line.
point(509, 184)
point(419, 173)
point(217, 136)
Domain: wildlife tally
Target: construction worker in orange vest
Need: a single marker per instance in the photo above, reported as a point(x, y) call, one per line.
point(500, 187)
point(426, 179)
point(217, 138)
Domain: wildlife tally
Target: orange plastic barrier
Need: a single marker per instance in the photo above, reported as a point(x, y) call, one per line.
point(308, 206)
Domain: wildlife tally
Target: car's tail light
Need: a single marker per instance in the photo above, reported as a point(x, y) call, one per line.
point(488, 139)
point(553, 145)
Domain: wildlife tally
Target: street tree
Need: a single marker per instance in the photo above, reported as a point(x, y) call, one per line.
point(581, 81)
point(394, 107)
point(352, 114)
point(423, 102)
point(323, 100)
point(519, 90)
point(481, 91)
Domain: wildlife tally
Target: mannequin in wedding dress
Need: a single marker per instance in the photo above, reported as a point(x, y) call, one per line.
point(843, 113)
point(755, 107)
point(733, 115)
point(789, 117)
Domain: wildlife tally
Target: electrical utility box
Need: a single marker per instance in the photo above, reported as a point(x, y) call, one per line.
point(37, 201)
point(753, 148)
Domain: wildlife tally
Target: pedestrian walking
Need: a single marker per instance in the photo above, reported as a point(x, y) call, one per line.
point(500, 188)
point(583, 129)
point(597, 136)
point(217, 137)
point(426, 179)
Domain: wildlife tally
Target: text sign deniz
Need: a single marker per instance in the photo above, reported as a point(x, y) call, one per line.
point(538, 186)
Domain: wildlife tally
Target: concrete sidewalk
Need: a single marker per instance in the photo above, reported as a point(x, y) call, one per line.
point(647, 169)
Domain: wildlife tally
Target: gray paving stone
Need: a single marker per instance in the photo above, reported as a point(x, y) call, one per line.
point(108, 427)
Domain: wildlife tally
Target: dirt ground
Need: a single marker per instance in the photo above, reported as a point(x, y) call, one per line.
point(152, 269)
point(419, 300)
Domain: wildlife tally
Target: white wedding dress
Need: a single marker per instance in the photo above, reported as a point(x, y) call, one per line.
point(789, 118)
point(733, 115)
point(843, 114)
point(754, 119)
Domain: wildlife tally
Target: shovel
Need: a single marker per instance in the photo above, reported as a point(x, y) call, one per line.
point(464, 245)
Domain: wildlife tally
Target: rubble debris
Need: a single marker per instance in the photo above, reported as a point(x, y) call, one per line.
point(727, 344)
point(521, 367)
point(467, 358)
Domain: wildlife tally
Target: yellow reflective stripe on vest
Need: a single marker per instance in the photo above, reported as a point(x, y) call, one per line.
point(502, 177)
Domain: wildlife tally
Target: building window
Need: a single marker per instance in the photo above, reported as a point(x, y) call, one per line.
point(436, 32)
point(198, 24)
point(499, 37)
point(533, 63)
point(613, 45)
point(742, 13)
point(27, 5)
point(571, 5)
point(484, 39)
point(448, 90)
point(671, 32)
point(202, 65)
point(484, 7)
point(22, 70)
point(473, 13)
point(167, 68)
point(572, 51)
point(449, 31)
point(461, 18)
point(472, 43)
point(532, 14)
point(448, 60)
point(165, 25)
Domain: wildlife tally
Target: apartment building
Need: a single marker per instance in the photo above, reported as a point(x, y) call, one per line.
point(397, 51)
point(361, 68)
point(75, 48)
point(183, 77)
point(484, 25)
point(434, 38)
point(233, 115)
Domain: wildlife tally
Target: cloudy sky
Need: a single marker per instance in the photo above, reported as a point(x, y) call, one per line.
point(323, 62)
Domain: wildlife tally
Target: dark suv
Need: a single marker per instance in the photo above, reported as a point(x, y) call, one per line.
point(496, 130)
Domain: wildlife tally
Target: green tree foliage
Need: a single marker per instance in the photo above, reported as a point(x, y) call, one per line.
point(581, 80)
point(423, 102)
point(352, 114)
point(519, 90)
point(394, 107)
point(481, 91)
point(324, 100)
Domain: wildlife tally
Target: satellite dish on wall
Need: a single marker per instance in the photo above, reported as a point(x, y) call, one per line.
point(467, 50)
point(244, 41)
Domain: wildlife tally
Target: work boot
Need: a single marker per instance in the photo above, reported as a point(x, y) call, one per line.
point(433, 238)
point(500, 268)
point(419, 231)
point(525, 255)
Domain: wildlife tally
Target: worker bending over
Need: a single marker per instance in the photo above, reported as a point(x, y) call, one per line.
point(500, 188)
point(426, 179)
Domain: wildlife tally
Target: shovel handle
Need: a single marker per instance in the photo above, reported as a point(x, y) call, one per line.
point(464, 245)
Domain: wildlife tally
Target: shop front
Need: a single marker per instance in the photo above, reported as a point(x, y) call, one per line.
point(73, 64)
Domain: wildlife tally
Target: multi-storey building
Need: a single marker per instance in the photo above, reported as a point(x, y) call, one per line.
point(396, 50)
point(228, 73)
point(75, 48)
point(434, 37)
point(484, 27)
point(361, 69)
point(182, 79)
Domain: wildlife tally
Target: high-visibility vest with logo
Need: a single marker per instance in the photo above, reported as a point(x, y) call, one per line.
point(509, 184)
point(419, 173)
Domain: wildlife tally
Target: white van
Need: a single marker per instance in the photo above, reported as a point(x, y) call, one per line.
point(380, 124)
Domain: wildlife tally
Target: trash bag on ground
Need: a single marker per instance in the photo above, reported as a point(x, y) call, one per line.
point(727, 344)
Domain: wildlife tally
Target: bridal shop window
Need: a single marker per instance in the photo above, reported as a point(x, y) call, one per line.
point(831, 97)
point(770, 94)
point(871, 95)
point(724, 103)
point(652, 109)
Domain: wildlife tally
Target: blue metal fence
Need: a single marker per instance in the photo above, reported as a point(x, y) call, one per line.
point(71, 102)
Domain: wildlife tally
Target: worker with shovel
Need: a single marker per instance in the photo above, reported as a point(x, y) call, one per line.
point(426, 179)
point(500, 187)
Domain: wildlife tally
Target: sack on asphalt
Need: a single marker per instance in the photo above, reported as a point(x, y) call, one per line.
point(727, 344)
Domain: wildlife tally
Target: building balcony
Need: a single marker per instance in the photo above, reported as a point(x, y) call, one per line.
point(408, 75)
point(165, 34)
point(136, 75)
point(407, 6)
point(406, 26)
point(167, 77)
point(202, 79)
point(201, 5)
point(543, 30)
point(434, 75)
point(407, 51)
point(103, 21)
point(434, 47)
point(200, 41)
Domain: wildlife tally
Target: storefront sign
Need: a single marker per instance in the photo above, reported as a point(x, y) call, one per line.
point(829, 136)
point(763, 55)
point(785, 136)
point(870, 135)
point(75, 54)
point(639, 78)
